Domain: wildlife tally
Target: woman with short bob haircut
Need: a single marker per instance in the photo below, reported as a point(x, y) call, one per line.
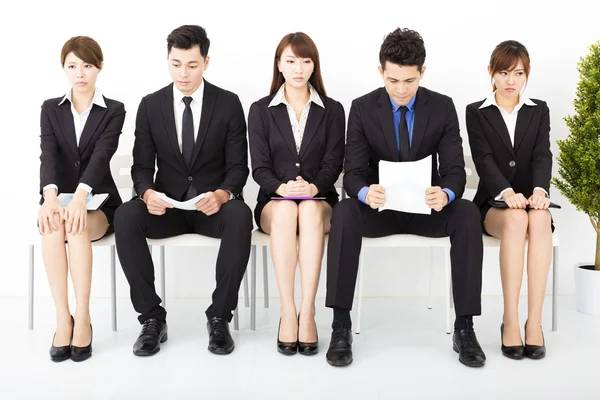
point(79, 135)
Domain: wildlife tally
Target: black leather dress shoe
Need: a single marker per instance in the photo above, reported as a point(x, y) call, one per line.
point(340, 347)
point(82, 353)
point(466, 345)
point(219, 338)
point(308, 348)
point(533, 351)
point(152, 335)
point(61, 353)
point(514, 352)
point(286, 348)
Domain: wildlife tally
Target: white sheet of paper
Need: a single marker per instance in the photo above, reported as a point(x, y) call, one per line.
point(182, 205)
point(405, 184)
point(92, 202)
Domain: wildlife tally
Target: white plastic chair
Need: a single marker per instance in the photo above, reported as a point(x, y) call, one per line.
point(190, 240)
point(417, 241)
point(120, 166)
point(262, 240)
point(492, 242)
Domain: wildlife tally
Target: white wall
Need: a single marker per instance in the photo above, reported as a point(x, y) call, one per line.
point(459, 37)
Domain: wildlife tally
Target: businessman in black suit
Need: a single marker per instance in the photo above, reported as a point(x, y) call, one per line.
point(196, 134)
point(403, 122)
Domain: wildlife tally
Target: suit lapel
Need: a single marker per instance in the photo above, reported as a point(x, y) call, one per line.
point(168, 112)
point(492, 114)
point(65, 118)
point(208, 104)
point(523, 119)
point(97, 113)
point(315, 115)
point(386, 119)
point(282, 120)
point(421, 117)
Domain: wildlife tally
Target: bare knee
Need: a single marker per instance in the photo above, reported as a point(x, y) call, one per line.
point(284, 214)
point(515, 221)
point(310, 213)
point(58, 234)
point(539, 221)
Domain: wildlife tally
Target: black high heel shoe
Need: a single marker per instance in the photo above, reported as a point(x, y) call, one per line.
point(286, 348)
point(62, 353)
point(307, 348)
point(82, 353)
point(514, 352)
point(533, 351)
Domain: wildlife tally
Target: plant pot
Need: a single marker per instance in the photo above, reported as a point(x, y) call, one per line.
point(587, 286)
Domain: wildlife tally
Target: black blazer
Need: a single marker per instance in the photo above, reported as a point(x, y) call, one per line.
point(220, 159)
point(66, 164)
point(273, 150)
point(500, 165)
point(372, 137)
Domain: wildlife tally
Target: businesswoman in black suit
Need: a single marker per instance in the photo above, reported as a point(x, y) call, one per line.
point(509, 136)
point(79, 134)
point(296, 139)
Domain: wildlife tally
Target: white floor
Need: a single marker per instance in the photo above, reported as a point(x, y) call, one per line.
point(402, 353)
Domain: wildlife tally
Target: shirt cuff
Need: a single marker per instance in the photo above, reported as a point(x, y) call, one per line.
point(52, 185)
point(499, 197)
point(84, 187)
point(362, 194)
point(231, 195)
point(451, 195)
point(542, 189)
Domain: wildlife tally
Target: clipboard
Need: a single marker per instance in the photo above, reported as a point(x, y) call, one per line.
point(297, 198)
point(502, 204)
point(92, 202)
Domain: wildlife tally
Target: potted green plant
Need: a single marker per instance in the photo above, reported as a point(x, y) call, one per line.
point(579, 170)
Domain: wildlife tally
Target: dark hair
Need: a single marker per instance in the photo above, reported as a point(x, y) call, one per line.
point(403, 47)
point(86, 48)
point(302, 46)
point(187, 36)
point(506, 56)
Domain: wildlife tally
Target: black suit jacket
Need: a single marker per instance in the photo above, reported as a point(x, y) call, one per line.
point(64, 163)
point(372, 137)
point(273, 150)
point(500, 165)
point(220, 159)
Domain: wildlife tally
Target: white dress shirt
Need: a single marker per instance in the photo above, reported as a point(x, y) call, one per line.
point(298, 126)
point(179, 107)
point(510, 119)
point(79, 121)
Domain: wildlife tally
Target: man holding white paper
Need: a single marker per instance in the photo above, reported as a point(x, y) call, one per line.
point(195, 132)
point(404, 123)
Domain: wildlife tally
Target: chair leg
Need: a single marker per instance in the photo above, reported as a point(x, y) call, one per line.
point(360, 294)
point(430, 302)
point(31, 279)
point(113, 289)
point(554, 288)
point(163, 286)
point(253, 288)
point(246, 298)
point(265, 275)
point(448, 292)
point(236, 320)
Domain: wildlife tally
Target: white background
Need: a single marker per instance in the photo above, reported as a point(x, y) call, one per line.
point(459, 37)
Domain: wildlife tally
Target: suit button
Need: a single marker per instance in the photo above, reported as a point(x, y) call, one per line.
point(512, 164)
point(190, 178)
point(77, 164)
point(297, 165)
